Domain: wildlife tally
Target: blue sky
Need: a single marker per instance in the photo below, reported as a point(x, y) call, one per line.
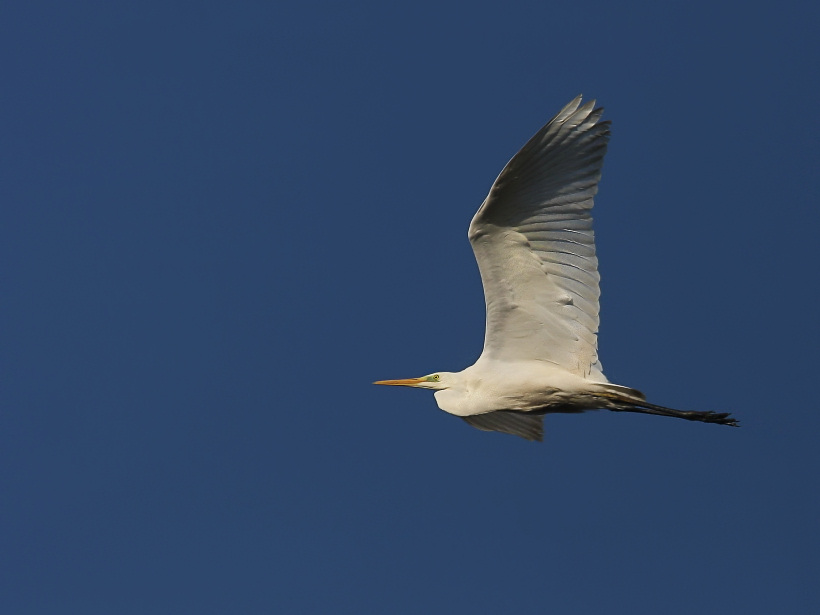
point(224, 221)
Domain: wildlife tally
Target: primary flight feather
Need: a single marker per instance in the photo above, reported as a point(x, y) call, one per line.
point(535, 248)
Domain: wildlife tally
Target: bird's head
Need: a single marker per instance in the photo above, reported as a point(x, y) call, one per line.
point(436, 382)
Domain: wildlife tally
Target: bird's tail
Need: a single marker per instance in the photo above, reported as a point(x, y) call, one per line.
point(624, 399)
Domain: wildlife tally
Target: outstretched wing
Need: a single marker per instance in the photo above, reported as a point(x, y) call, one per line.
point(535, 248)
point(527, 425)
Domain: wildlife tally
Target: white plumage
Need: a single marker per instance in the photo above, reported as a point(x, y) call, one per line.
point(535, 248)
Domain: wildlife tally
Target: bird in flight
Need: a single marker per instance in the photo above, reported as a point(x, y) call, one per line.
point(533, 240)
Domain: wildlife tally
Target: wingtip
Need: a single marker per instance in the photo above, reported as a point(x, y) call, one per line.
point(570, 108)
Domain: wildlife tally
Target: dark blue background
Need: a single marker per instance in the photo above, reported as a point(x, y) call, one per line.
point(223, 221)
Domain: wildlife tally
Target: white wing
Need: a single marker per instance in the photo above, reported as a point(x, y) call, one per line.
point(535, 248)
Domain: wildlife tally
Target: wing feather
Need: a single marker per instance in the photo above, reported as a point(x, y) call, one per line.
point(523, 424)
point(535, 246)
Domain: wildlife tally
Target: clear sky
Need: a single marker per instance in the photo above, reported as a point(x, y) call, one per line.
point(223, 221)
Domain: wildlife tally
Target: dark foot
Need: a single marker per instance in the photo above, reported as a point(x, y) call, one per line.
point(721, 418)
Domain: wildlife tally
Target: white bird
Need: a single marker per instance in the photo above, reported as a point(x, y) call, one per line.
point(533, 240)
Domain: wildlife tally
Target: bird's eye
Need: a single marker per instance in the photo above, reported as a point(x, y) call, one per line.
point(436, 377)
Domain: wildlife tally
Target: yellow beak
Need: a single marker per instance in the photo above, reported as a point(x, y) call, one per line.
point(408, 382)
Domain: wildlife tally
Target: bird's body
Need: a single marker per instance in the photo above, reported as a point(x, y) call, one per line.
point(521, 386)
point(535, 249)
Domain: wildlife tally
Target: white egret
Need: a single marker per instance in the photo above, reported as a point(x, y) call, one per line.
point(533, 240)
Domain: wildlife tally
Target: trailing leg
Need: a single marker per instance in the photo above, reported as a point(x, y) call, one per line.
point(643, 407)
